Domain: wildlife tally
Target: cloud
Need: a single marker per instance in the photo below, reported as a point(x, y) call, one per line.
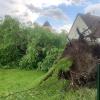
point(11, 1)
point(47, 3)
point(30, 10)
point(4, 8)
point(16, 9)
point(65, 27)
point(76, 2)
point(53, 12)
point(93, 9)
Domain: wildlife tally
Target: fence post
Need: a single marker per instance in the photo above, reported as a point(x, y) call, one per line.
point(98, 81)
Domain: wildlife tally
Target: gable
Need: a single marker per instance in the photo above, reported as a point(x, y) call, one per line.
point(81, 25)
point(93, 22)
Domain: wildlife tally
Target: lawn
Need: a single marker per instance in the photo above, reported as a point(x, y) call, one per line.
point(51, 89)
point(13, 80)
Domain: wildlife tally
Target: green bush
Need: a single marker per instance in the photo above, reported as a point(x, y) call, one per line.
point(64, 64)
point(29, 60)
point(12, 43)
point(42, 49)
point(49, 60)
point(27, 47)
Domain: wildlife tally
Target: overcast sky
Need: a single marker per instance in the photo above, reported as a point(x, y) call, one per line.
point(60, 13)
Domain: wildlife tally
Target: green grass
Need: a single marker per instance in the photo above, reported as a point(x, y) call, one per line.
point(13, 80)
point(53, 89)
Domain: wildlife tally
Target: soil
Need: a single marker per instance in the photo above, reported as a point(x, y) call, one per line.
point(84, 56)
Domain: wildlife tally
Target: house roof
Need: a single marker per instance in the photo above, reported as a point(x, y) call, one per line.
point(93, 22)
point(47, 24)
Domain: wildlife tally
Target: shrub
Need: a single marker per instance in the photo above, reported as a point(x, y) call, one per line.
point(64, 64)
point(12, 43)
point(27, 47)
point(49, 60)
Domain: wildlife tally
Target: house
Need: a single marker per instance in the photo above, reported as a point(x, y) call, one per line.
point(47, 25)
point(86, 24)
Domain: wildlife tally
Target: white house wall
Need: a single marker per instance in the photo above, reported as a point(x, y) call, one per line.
point(80, 24)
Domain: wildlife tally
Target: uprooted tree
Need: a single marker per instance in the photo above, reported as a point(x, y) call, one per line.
point(84, 56)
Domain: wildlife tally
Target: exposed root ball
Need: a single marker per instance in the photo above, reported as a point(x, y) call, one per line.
point(84, 55)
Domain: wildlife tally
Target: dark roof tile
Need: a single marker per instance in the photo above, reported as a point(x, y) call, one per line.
point(93, 22)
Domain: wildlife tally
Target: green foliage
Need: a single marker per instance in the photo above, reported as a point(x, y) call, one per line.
point(51, 56)
point(64, 64)
point(12, 42)
point(29, 61)
point(27, 47)
point(9, 54)
point(51, 89)
point(15, 80)
point(42, 50)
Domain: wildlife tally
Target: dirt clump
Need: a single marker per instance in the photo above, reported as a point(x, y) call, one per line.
point(84, 57)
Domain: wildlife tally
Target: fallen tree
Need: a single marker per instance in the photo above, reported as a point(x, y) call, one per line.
point(84, 56)
point(77, 63)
